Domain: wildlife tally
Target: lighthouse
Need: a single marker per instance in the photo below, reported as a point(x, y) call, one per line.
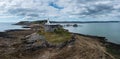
point(51, 27)
point(48, 22)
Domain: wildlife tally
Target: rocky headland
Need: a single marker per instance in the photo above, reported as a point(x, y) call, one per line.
point(34, 43)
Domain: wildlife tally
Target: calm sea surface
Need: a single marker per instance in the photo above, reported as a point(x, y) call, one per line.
point(109, 30)
point(8, 26)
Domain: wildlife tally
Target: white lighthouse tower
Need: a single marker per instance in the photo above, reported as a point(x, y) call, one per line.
point(48, 22)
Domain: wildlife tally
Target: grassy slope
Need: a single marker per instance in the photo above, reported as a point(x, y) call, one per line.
point(58, 36)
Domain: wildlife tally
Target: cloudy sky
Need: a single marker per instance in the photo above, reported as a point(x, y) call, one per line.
point(83, 10)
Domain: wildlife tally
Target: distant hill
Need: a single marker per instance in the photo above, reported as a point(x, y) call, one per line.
point(31, 22)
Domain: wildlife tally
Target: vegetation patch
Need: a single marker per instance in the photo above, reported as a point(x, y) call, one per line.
point(114, 52)
point(39, 22)
point(59, 35)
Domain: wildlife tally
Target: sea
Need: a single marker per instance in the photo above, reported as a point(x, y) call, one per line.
point(109, 30)
point(9, 26)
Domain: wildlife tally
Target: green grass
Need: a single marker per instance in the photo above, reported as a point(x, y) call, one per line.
point(56, 37)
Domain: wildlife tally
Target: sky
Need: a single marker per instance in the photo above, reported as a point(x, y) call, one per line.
point(59, 10)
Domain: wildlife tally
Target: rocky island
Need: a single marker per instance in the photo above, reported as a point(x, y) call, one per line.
point(45, 41)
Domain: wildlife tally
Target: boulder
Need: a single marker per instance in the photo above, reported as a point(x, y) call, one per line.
point(34, 37)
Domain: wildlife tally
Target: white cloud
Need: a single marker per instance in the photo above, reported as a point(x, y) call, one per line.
point(33, 9)
point(6, 16)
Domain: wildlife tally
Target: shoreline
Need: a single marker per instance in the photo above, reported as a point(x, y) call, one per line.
point(25, 26)
point(11, 35)
point(102, 39)
point(17, 37)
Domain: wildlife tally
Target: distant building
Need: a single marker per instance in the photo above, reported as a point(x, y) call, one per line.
point(51, 27)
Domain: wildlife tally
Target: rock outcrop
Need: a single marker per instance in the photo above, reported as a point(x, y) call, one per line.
point(35, 41)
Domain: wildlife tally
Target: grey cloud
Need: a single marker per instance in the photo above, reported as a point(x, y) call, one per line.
point(98, 9)
point(93, 9)
point(18, 10)
point(33, 15)
point(86, 1)
point(25, 12)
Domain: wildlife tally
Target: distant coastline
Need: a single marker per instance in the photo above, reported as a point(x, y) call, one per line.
point(84, 21)
point(44, 21)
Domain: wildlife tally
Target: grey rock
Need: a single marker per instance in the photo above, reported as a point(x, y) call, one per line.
point(34, 37)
